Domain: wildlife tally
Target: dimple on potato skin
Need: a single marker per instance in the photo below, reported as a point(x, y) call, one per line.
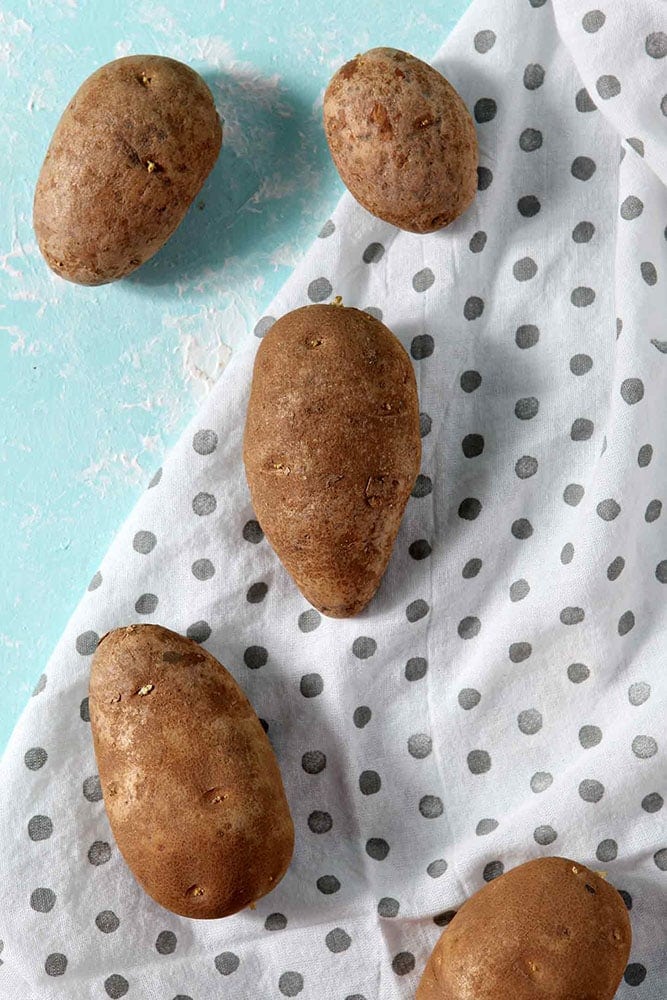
point(402, 140)
point(190, 782)
point(548, 928)
point(130, 153)
point(332, 449)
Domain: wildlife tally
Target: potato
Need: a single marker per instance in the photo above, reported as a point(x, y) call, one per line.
point(549, 928)
point(190, 782)
point(332, 450)
point(131, 151)
point(402, 140)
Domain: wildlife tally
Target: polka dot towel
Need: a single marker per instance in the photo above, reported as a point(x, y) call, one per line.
point(503, 697)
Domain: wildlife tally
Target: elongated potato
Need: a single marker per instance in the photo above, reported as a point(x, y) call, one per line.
point(549, 928)
point(131, 151)
point(332, 450)
point(191, 785)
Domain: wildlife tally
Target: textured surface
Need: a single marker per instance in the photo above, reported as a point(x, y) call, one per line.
point(95, 383)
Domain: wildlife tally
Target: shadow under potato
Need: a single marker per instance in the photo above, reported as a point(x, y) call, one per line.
point(270, 149)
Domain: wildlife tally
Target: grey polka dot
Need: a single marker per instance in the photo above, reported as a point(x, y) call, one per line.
point(416, 668)
point(423, 487)
point(648, 272)
point(663, 105)
point(95, 582)
point(469, 509)
point(578, 672)
point(363, 647)
point(583, 168)
point(166, 943)
point(471, 568)
point(423, 279)
point(520, 651)
point(203, 569)
point(290, 984)
point(361, 716)
point(40, 828)
point(583, 101)
point(486, 826)
point(107, 922)
point(473, 308)
point(55, 964)
point(263, 325)
point(477, 242)
point(607, 850)
point(567, 553)
point(484, 178)
point(530, 140)
point(319, 289)
point(422, 346)
point(199, 631)
point(256, 592)
point(479, 761)
point(590, 736)
point(373, 253)
point(537, 3)
point(425, 424)
point(582, 297)
point(99, 853)
point(653, 802)
point(403, 963)
point(144, 542)
point(327, 229)
point(656, 45)
point(92, 789)
point(540, 781)
point(39, 686)
point(591, 790)
point(527, 336)
point(275, 922)
point(526, 466)
point(626, 622)
point(377, 848)
point(528, 205)
point(632, 390)
point(581, 429)
point(320, 822)
point(34, 758)
point(593, 21)
point(660, 859)
point(470, 381)
point(430, 806)
point(416, 610)
point(608, 510)
point(636, 144)
point(43, 900)
point(328, 884)
point(437, 868)
point(374, 312)
point(544, 835)
point(573, 494)
point(485, 110)
point(419, 745)
point(653, 511)
point(608, 86)
point(635, 974)
point(632, 207)
point(661, 571)
point(313, 761)
point(252, 532)
point(255, 657)
point(533, 76)
point(494, 869)
point(583, 232)
point(615, 568)
point(309, 620)
point(311, 685)
point(529, 721)
point(526, 408)
point(469, 627)
point(469, 698)
point(370, 782)
point(522, 528)
point(157, 476)
point(420, 549)
point(639, 693)
point(205, 442)
point(644, 747)
point(518, 590)
point(644, 456)
point(338, 940)
point(84, 710)
point(580, 364)
point(87, 643)
point(484, 40)
point(226, 963)
point(388, 907)
point(203, 504)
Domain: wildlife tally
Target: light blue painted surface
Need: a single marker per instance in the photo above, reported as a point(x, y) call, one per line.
point(96, 383)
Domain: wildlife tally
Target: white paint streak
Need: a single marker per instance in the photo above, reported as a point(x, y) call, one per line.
point(122, 48)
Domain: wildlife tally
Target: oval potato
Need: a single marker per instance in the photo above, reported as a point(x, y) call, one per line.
point(549, 928)
point(191, 785)
point(402, 140)
point(131, 151)
point(332, 450)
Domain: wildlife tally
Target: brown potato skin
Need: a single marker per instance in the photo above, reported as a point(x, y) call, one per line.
point(166, 755)
point(535, 932)
point(402, 140)
point(100, 209)
point(332, 450)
